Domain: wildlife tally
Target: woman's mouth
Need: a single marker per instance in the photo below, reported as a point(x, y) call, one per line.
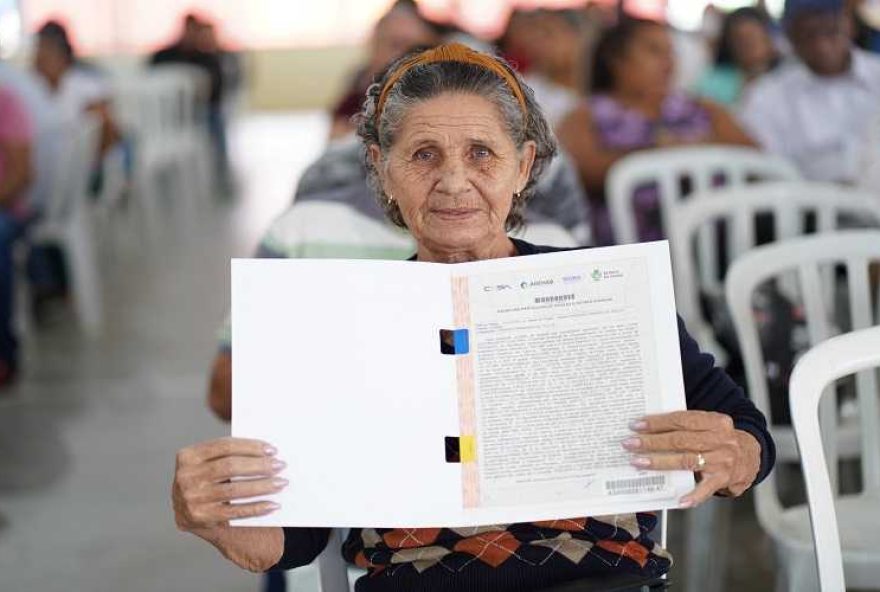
point(454, 213)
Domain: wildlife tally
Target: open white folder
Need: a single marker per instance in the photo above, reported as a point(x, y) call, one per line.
point(404, 394)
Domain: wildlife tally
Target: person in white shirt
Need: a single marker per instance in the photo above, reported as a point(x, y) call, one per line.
point(814, 109)
point(72, 89)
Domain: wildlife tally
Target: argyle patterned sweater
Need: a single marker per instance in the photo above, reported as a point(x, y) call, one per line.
point(530, 556)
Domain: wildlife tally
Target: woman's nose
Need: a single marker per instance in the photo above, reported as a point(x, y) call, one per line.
point(453, 177)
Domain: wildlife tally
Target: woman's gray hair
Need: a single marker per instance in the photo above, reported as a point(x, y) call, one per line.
point(425, 81)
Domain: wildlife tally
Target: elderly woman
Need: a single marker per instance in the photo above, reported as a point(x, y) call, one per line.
point(455, 143)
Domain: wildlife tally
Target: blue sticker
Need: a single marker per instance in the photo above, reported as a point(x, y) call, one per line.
point(462, 343)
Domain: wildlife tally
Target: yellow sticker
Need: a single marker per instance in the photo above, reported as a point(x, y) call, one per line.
point(468, 448)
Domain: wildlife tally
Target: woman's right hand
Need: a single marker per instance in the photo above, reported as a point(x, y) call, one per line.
point(205, 482)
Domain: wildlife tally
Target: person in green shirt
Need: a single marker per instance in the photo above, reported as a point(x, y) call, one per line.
point(746, 50)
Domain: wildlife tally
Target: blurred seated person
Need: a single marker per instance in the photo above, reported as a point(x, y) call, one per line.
point(634, 107)
point(230, 77)
point(335, 214)
point(401, 29)
point(517, 41)
point(74, 90)
point(815, 109)
point(15, 176)
point(746, 50)
point(552, 44)
point(197, 47)
point(231, 65)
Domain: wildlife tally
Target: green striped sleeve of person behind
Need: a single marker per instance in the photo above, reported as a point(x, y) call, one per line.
point(327, 230)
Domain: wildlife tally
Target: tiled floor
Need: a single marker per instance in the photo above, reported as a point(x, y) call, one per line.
point(87, 440)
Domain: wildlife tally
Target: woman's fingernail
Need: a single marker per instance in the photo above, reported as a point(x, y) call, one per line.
point(640, 461)
point(632, 443)
point(686, 503)
point(277, 465)
point(270, 450)
point(279, 482)
point(638, 425)
point(272, 506)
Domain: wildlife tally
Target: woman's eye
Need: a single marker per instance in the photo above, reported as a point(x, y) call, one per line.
point(481, 152)
point(423, 155)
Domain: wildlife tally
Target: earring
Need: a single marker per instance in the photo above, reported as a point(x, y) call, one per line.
point(390, 199)
point(517, 194)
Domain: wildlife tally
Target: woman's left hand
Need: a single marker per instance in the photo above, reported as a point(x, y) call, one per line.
point(680, 440)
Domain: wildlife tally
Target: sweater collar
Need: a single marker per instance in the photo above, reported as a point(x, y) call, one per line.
point(522, 248)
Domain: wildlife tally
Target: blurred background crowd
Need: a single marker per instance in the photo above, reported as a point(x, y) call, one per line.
point(144, 144)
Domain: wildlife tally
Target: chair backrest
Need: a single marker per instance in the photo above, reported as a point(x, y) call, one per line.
point(155, 104)
point(818, 369)
point(811, 262)
point(795, 207)
point(74, 163)
point(672, 170)
point(186, 90)
point(136, 105)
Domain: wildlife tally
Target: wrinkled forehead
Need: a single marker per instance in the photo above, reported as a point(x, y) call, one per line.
point(453, 117)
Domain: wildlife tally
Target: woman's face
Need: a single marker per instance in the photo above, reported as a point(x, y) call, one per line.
point(453, 170)
point(647, 65)
point(752, 46)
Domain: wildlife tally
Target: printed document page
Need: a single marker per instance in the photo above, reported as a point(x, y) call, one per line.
point(565, 356)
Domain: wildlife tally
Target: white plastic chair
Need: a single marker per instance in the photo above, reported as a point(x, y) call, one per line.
point(739, 207)
point(812, 261)
point(158, 109)
point(702, 166)
point(67, 220)
point(186, 92)
point(817, 369)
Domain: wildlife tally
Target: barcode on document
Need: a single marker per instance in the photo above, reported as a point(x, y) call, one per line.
point(636, 485)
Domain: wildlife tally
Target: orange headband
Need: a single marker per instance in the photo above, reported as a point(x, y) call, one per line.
point(452, 52)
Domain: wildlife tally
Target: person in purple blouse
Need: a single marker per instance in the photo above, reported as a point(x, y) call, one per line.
point(634, 106)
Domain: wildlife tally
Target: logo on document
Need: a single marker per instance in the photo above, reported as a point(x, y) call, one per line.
point(497, 288)
point(536, 283)
point(607, 274)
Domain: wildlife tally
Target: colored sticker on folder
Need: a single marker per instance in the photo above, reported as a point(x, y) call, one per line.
point(460, 338)
point(454, 342)
point(461, 449)
point(467, 447)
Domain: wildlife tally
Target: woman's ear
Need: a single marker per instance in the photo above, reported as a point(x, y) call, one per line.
point(526, 162)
